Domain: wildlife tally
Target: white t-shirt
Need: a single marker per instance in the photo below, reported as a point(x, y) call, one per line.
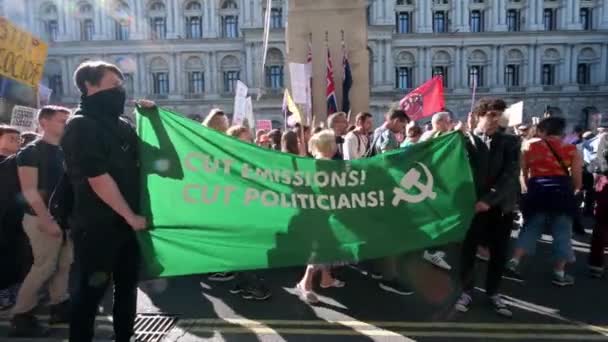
point(355, 146)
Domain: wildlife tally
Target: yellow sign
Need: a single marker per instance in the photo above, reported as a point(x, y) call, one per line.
point(22, 55)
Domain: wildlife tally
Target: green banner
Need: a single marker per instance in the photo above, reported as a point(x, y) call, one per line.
point(218, 204)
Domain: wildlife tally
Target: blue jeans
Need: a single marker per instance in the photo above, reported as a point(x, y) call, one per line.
point(561, 229)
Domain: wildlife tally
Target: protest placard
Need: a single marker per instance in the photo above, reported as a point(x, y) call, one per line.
point(22, 55)
point(24, 118)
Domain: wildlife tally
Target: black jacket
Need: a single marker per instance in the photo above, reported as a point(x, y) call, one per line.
point(496, 169)
point(94, 145)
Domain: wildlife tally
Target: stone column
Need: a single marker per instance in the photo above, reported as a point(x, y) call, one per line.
point(501, 66)
point(573, 8)
point(603, 72)
point(604, 16)
point(66, 77)
point(215, 74)
point(427, 65)
point(564, 75)
point(173, 10)
point(457, 73)
point(249, 60)
point(427, 16)
point(390, 62)
point(540, 13)
point(531, 65)
point(501, 24)
point(180, 77)
point(420, 61)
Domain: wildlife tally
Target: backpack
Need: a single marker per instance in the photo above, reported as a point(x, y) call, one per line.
point(371, 149)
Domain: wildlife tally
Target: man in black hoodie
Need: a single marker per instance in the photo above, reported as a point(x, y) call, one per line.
point(101, 155)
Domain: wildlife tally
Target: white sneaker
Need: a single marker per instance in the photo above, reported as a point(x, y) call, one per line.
point(437, 259)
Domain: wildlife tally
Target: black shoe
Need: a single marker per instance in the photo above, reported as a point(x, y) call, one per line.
point(222, 276)
point(26, 325)
point(251, 292)
point(60, 313)
point(511, 273)
point(464, 302)
point(500, 307)
point(596, 272)
point(395, 287)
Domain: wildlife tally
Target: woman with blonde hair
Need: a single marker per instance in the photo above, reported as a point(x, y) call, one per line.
point(322, 146)
point(216, 119)
point(240, 132)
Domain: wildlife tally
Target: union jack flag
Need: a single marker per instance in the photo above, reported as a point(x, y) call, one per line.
point(330, 91)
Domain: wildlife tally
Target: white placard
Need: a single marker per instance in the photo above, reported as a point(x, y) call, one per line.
point(515, 113)
point(239, 103)
point(24, 118)
point(299, 82)
point(249, 112)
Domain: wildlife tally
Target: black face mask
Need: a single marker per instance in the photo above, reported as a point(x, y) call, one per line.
point(110, 102)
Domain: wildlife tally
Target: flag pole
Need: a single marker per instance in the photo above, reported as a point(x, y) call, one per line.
point(310, 115)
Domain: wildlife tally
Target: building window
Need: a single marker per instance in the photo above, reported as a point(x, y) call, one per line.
point(276, 18)
point(122, 31)
point(230, 78)
point(583, 74)
point(194, 27)
point(86, 29)
point(159, 28)
point(403, 77)
point(440, 22)
point(230, 26)
point(513, 20)
point(443, 72)
point(52, 30)
point(548, 74)
point(129, 84)
point(56, 85)
point(160, 83)
point(477, 24)
point(476, 76)
point(586, 18)
point(196, 82)
point(404, 22)
point(512, 75)
point(274, 77)
point(550, 19)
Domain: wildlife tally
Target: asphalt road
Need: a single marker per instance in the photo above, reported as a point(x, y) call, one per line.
point(206, 311)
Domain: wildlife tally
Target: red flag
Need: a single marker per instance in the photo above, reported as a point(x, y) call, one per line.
point(425, 100)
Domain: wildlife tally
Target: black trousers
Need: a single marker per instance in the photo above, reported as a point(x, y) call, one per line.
point(492, 228)
point(97, 269)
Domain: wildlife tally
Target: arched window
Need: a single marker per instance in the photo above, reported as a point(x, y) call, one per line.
point(477, 63)
point(274, 69)
point(50, 22)
point(159, 72)
point(440, 63)
point(514, 60)
point(87, 25)
point(231, 70)
point(158, 21)
point(122, 20)
point(404, 70)
point(53, 79)
point(230, 19)
point(196, 75)
point(586, 60)
point(194, 20)
point(549, 69)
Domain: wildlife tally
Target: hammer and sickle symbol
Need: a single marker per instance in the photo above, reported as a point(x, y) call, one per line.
point(412, 180)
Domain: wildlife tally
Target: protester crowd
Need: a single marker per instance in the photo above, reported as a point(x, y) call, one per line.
point(70, 197)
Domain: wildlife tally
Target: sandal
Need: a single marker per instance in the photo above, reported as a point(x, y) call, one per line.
point(336, 283)
point(307, 296)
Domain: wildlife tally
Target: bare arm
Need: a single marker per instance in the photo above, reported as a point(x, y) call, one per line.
point(577, 171)
point(105, 187)
point(28, 178)
point(525, 173)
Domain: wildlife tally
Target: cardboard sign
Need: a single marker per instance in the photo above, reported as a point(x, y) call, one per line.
point(22, 55)
point(24, 119)
point(264, 124)
point(515, 114)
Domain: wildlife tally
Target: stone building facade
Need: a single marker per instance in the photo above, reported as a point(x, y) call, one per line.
point(187, 54)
